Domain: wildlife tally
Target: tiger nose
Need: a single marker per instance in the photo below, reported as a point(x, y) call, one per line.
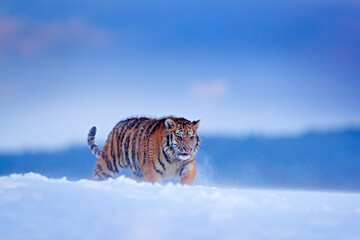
point(187, 151)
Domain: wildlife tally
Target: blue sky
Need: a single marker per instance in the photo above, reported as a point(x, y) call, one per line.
point(243, 67)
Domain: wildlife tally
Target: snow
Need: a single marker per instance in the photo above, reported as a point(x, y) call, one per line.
point(35, 207)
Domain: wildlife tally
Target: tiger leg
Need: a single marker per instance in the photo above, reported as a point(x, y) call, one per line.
point(188, 173)
point(153, 178)
point(139, 177)
point(150, 175)
point(102, 171)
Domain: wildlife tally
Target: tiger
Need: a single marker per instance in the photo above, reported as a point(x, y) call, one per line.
point(152, 149)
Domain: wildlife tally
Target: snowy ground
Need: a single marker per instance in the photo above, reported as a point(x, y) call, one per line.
point(35, 207)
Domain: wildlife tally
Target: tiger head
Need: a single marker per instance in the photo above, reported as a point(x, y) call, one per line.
point(182, 137)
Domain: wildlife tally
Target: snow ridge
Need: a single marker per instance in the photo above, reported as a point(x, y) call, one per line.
point(35, 207)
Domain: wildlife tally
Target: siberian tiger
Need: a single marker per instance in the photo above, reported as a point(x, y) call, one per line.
point(152, 149)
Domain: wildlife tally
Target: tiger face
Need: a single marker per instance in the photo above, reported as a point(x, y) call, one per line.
point(182, 137)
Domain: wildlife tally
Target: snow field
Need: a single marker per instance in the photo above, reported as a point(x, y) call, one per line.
point(35, 207)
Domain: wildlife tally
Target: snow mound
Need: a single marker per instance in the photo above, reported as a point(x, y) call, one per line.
point(35, 207)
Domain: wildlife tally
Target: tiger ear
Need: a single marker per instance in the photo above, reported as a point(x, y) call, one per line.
point(196, 124)
point(170, 124)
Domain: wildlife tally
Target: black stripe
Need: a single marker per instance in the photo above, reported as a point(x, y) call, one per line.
point(96, 151)
point(127, 141)
point(197, 146)
point(150, 131)
point(133, 146)
point(168, 140)
point(101, 171)
point(110, 158)
point(108, 163)
point(166, 156)
point(97, 177)
point(183, 167)
point(138, 174)
point(158, 171)
point(181, 170)
point(90, 140)
point(147, 140)
point(121, 129)
point(171, 140)
point(161, 163)
point(132, 123)
point(113, 151)
point(119, 146)
point(96, 172)
point(140, 138)
point(92, 131)
point(155, 128)
point(92, 147)
point(149, 126)
point(124, 127)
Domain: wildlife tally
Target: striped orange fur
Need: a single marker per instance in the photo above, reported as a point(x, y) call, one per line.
point(152, 149)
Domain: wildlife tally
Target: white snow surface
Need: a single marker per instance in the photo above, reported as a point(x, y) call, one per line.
point(35, 207)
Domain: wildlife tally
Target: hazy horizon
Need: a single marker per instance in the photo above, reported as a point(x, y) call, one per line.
point(100, 140)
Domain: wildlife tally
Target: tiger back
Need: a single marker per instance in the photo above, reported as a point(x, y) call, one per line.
point(152, 149)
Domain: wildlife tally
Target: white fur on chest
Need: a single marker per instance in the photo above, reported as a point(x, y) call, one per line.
point(173, 170)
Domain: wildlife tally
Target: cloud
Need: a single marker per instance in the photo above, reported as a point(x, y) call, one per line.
point(24, 37)
point(211, 89)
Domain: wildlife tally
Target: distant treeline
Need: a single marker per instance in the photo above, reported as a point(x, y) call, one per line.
point(321, 161)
